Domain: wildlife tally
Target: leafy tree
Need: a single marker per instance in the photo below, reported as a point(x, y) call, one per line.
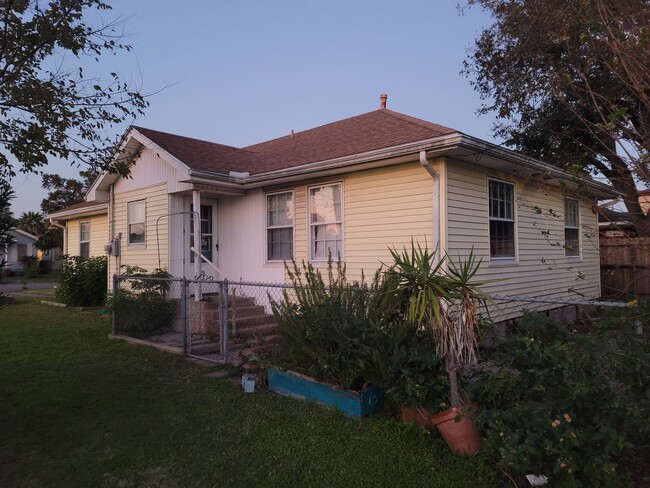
point(31, 222)
point(46, 109)
point(570, 83)
point(6, 223)
point(63, 192)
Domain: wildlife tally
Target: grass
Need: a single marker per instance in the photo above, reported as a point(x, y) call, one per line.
point(77, 409)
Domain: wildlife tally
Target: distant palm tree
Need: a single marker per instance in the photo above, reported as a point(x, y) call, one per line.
point(31, 222)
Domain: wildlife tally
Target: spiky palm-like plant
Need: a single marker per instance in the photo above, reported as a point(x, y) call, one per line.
point(446, 301)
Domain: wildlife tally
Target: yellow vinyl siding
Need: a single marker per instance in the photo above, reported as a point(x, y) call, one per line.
point(98, 234)
point(541, 268)
point(143, 255)
point(382, 208)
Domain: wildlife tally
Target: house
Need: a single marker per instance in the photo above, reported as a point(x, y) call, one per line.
point(24, 244)
point(353, 188)
point(86, 228)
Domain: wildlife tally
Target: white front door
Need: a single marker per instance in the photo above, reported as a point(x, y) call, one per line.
point(209, 242)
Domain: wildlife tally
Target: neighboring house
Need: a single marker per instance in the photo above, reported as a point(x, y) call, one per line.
point(353, 188)
point(85, 228)
point(24, 244)
point(612, 223)
point(644, 200)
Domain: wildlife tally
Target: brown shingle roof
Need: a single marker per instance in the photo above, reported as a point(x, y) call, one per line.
point(198, 154)
point(379, 129)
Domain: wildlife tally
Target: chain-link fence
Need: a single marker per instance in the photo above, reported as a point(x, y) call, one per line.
point(231, 322)
point(213, 320)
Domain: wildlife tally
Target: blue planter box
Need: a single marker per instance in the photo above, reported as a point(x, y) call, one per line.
point(353, 403)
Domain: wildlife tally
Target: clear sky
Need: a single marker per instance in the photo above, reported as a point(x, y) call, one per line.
point(239, 72)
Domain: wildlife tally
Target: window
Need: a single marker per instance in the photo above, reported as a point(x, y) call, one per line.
point(502, 219)
point(279, 226)
point(206, 232)
point(136, 222)
point(325, 222)
point(84, 239)
point(571, 228)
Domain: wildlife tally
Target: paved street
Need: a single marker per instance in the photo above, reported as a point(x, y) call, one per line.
point(11, 286)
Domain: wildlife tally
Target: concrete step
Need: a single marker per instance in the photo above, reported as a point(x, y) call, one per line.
point(214, 314)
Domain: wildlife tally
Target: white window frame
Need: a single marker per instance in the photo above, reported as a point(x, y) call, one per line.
point(575, 227)
point(143, 222)
point(81, 240)
point(513, 220)
point(311, 225)
point(273, 227)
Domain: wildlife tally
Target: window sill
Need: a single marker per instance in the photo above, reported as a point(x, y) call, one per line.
point(573, 259)
point(138, 244)
point(504, 262)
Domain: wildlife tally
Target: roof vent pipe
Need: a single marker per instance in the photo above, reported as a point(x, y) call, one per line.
point(383, 97)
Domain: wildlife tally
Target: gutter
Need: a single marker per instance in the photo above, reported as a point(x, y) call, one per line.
point(435, 147)
point(371, 159)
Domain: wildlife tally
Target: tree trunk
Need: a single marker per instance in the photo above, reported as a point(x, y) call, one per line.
point(622, 179)
point(452, 372)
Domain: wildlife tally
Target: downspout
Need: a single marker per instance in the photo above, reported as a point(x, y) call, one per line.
point(436, 201)
point(54, 223)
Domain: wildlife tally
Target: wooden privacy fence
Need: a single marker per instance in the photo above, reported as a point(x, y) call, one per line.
point(625, 266)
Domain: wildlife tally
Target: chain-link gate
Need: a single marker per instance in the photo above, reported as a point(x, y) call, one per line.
point(213, 320)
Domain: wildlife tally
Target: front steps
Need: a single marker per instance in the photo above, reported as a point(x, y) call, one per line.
point(251, 331)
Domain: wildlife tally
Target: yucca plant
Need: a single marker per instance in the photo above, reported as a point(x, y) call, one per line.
point(446, 301)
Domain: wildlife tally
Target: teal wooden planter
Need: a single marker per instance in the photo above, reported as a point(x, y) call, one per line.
point(352, 403)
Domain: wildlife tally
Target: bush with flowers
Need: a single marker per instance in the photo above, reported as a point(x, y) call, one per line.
point(564, 403)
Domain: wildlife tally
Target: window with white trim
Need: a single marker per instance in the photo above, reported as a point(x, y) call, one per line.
point(84, 239)
point(279, 226)
point(325, 222)
point(571, 228)
point(136, 221)
point(502, 219)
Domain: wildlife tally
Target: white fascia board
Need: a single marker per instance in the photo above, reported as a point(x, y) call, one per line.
point(98, 209)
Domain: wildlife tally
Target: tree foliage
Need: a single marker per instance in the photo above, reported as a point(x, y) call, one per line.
point(31, 222)
point(6, 223)
point(570, 83)
point(48, 108)
point(63, 192)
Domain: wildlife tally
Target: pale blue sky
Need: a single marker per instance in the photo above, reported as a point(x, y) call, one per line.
point(240, 72)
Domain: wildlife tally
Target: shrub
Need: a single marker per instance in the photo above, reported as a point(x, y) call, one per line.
point(563, 403)
point(144, 309)
point(351, 334)
point(30, 267)
point(83, 281)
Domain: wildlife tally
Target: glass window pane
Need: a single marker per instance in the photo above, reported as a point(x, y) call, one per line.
point(572, 242)
point(502, 239)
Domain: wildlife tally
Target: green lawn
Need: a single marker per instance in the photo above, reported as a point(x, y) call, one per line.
point(77, 409)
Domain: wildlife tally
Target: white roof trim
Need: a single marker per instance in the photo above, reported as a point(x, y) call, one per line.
point(26, 234)
point(99, 208)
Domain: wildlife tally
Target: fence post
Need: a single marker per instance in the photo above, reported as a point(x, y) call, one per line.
point(116, 286)
point(224, 317)
point(185, 317)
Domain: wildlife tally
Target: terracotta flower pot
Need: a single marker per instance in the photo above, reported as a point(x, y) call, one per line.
point(418, 414)
point(462, 437)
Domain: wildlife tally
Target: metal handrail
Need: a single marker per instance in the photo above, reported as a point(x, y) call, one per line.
point(209, 263)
